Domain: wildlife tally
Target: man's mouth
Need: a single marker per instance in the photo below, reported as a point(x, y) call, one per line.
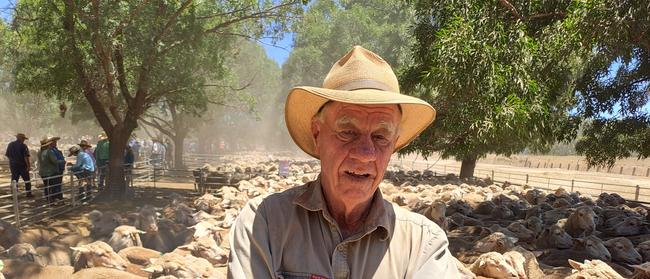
point(357, 175)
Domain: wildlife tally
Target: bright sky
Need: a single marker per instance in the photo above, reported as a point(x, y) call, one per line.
point(280, 50)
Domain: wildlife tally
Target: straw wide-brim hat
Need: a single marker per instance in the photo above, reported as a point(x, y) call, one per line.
point(84, 143)
point(360, 77)
point(45, 142)
point(102, 136)
point(72, 150)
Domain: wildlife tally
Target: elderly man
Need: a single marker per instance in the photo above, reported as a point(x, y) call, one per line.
point(339, 226)
point(19, 162)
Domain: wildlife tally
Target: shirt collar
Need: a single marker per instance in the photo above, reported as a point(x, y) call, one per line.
point(312, 199)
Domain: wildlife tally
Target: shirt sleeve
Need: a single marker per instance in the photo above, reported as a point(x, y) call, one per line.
point(437, 261)
point(25, 151)
point(250, 253)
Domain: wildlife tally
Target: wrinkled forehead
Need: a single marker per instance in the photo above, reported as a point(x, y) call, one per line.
point(387, 116)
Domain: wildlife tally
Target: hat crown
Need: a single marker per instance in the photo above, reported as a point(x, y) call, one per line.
point(361, 69)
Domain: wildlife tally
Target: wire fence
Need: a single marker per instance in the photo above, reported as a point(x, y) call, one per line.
point(56, 195)
point(634, 192)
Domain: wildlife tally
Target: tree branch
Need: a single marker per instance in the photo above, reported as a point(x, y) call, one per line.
point(84, 81)
point(158, 127)
point(129, 18)
point(510, 7)
point(260, 14)
point(545, 15)
point(141, 97)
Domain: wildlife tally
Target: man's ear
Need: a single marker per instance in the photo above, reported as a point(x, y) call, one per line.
point(315, 131)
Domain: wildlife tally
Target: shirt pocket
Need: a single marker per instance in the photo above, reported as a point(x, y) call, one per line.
point(297, 275)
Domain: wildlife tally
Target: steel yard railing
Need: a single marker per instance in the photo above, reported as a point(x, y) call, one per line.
point(18, 209)
point(633, 192)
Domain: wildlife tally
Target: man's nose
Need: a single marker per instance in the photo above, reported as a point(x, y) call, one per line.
point(364, 149)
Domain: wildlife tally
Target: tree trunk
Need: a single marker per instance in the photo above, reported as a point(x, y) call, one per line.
point(467, 167)
point(179, 141)
point(116, 183)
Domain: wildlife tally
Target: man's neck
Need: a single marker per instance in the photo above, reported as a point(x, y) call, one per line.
point(350, 218)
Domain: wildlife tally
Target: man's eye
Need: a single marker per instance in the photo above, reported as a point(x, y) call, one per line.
point(347, 134)
point(381, 139)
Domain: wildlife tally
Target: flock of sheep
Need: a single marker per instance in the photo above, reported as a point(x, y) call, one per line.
point(495, 231)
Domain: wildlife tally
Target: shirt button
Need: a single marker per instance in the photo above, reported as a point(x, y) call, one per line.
point(341, 248)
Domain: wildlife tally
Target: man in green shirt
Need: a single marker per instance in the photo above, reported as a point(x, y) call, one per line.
point(101, 156)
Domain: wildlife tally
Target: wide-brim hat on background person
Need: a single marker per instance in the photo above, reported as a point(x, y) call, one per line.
point(72, 150)
point(84, 143)
point(21, 136)
point(360, 77)
point(102, 136)
point(46, 141)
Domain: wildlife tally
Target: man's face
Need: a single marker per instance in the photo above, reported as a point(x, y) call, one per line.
point(354, 143)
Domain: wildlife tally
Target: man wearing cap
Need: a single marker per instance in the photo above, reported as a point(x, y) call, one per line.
point(19, 162)
point(339, 226)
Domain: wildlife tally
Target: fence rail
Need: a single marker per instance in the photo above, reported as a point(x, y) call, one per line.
point(634, 192)
point(59, 194)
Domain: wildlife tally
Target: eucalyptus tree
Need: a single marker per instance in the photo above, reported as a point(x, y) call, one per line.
point(499, 74)
point(122, 57)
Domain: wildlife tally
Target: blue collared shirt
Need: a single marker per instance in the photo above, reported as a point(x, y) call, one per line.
point(84, 162)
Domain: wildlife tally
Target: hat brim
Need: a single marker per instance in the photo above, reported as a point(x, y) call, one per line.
point(303, 103)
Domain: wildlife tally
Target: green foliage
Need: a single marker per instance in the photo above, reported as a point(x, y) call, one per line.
point(123, 57)
point(499, 76)
point(615, 86)
point(331, 28)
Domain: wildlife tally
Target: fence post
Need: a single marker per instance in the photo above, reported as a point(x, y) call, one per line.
point(548, 184)
point(647, 172)
point(202, 181)
point(633, 170)
point(636, 193)
point(14, 194)
point(526, 179)
point(74, 189)
point(492, 175)
point(621, 171)
point(572, 182)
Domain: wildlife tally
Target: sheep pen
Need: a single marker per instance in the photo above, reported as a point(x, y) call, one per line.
point(495, 230)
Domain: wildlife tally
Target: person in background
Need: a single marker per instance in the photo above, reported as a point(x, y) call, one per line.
point(83, 169)
point(19, 163)
point(135, 145)
point(101, 157)
point(57, 180)
point(48, 168)
point(129, 160)
point(85, 147)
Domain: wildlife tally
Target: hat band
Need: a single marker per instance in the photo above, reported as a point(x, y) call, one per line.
point(363, 84)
